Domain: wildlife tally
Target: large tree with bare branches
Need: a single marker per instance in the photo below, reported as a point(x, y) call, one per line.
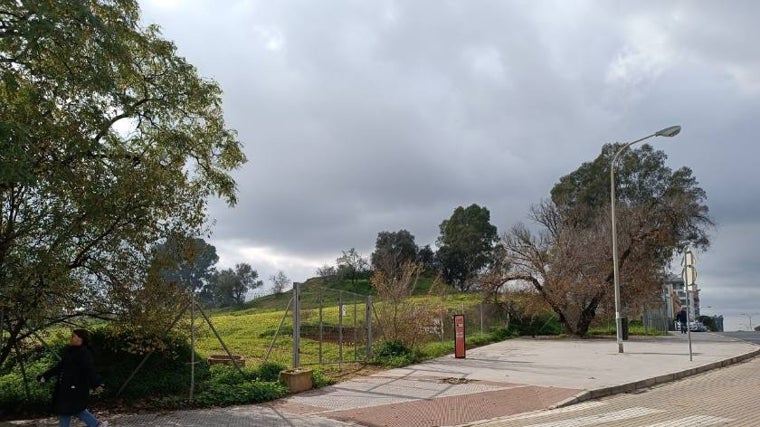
point(108, 140)
point(568, 260)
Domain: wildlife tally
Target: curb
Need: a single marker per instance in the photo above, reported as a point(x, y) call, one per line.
point(650, 382)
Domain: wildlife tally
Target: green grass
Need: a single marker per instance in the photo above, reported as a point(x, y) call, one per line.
point(635, 327)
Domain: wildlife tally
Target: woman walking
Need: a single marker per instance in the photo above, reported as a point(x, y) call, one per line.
point(75, 377)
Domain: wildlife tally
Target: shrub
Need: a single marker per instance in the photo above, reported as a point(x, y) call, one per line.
point(321, 380)
point(241, 393)
point(393, 354)
point(270, 371)
point(165, 372)
point(13, 395)
point(538, 324)
point(501, 334)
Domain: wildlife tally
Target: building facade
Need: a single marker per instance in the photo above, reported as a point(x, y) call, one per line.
point(675, 295)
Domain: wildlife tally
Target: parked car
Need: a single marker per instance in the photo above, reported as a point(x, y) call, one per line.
point(697, 327)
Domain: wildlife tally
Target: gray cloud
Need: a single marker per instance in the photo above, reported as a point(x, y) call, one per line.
point(363, 117)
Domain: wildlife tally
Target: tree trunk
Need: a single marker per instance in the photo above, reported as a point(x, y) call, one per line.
point(10, 343)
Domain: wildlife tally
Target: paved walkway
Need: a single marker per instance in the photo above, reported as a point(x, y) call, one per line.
point(497, 380)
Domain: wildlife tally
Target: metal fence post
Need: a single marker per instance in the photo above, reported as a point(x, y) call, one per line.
point(356, 332)
point(368, 320)
point(296, 326)
point(340, 328)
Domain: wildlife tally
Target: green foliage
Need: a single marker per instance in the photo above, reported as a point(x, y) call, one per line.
point(672, 199)
point(186, 261)
point(500, 334)
point(109, 139)
point(545, 323)
point(392, 250)
point(320, 379)
point(659, 211)
point(352, 265)
point(13, 394)
point(393, 354)
point(166, 371)
point(466, 244)
point(270, 371)
point(226, 386)
point(435, 349)
point(245, 392)
point(229, 287)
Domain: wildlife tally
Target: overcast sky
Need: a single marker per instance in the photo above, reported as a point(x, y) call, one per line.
point(367, 116)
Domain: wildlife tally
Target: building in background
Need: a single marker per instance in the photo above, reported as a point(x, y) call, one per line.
point(675, 295)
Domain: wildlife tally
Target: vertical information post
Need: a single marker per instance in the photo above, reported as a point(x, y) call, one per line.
point(689, 275)
point(459, 335)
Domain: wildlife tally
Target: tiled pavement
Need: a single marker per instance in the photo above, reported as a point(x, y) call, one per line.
point(502, 379)
point(724, 397)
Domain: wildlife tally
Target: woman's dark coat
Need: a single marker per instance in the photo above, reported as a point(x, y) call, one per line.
point(76, 376)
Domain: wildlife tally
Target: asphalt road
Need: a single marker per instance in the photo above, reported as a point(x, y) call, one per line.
point(751, 336)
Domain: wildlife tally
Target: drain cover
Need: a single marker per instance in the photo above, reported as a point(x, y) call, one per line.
point(453, 380)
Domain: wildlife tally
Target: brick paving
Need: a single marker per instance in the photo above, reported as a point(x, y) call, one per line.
point(723, 397)
point(454, 410)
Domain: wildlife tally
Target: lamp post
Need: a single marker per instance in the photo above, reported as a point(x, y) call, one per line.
point(669, 131)
point(749, 315)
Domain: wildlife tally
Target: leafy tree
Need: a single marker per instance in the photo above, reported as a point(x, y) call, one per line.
point(426, 257)
point(229, 287)
point(189, 262)
point(392, 250)
point(351, 264)
point(279, 282)
point(465, 245)
point(108, 140)
point(569, 263)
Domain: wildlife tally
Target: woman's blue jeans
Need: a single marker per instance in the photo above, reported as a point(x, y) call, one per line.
point(85, 416)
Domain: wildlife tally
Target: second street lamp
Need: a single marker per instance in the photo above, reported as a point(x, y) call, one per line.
point(670, 131)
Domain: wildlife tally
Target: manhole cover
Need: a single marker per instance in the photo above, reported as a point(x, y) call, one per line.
point(453, 380)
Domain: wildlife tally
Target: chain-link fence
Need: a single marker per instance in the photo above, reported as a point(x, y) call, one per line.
point(323, 326)
point(657, 319)
point(481, 318)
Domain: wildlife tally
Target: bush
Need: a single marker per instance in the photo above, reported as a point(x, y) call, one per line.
point(321, 380)
point(539, 324)
point(241, 393)
point(501, 334)
point(165, 372)
point(437, 349)
point(393, 354)
point(13, 395)
point(226, 386)
point(270, 371)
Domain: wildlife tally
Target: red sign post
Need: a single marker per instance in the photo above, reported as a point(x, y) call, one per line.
point(459, 344)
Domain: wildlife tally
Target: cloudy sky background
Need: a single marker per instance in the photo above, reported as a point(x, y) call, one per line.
point(360, 117)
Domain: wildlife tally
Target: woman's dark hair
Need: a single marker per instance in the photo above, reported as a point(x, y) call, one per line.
point(84, 334)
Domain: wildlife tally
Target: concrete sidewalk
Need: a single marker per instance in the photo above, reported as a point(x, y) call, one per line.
point(497, 380)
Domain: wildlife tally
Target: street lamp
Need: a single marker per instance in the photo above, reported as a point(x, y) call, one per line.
point(749, 315)
point(669, 131)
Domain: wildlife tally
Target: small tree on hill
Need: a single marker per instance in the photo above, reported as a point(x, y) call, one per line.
point(392, 250)
point(351, 264)
point(466, 245)
point(279, 282)
point(230, 287)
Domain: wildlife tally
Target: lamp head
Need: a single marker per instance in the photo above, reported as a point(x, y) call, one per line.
point(670, 131)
